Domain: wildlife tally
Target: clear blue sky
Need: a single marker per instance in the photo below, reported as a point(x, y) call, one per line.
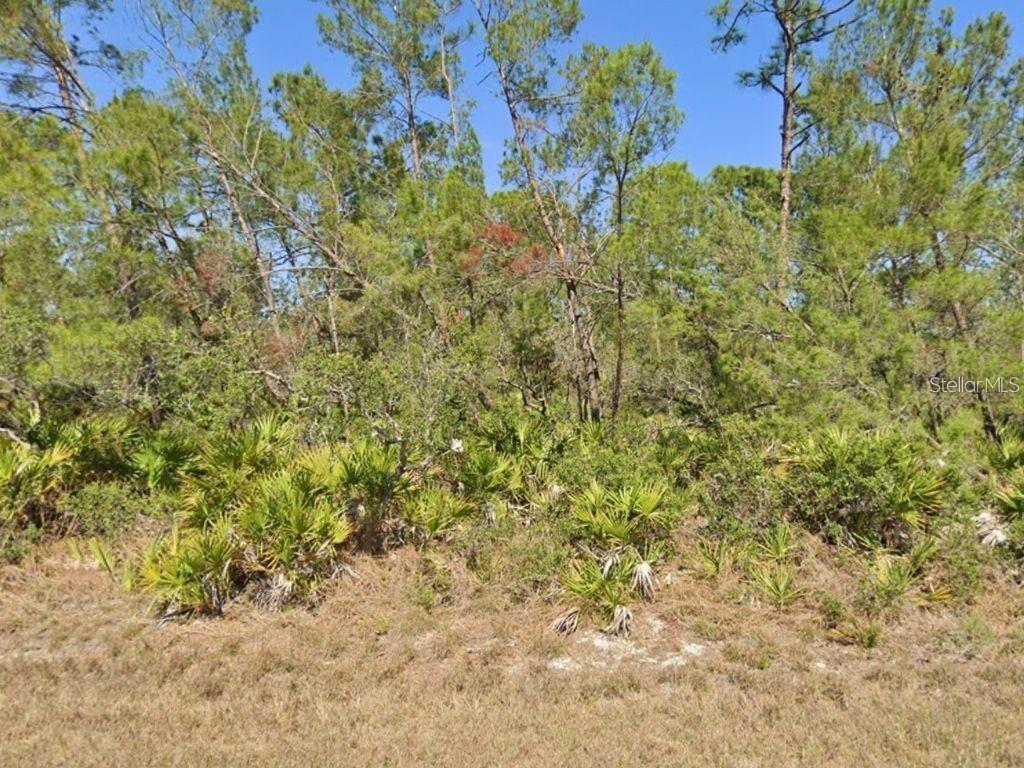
point(725, 123)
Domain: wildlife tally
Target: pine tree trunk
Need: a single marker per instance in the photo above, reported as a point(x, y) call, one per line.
point(786, 159)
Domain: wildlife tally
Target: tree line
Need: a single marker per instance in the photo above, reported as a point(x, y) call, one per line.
point(218, 246)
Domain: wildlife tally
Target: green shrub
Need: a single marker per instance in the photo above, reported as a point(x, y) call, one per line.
point(777, 581)
point(32, 481)
point(258, 511)
point(1006, 454)
point(484, 473)
point(1009, 495)
point(194, 571)
point(102, 443)
point(104, 508)
point(162, 460)
point(736, 469)
point(284, 536)
point(867, 633)
point(619, 536)
point(870, 485)
point(530, 442)
point(288, 526)
point(435, 511)
point(604, 590)
point(716, 557)
point(375, 479)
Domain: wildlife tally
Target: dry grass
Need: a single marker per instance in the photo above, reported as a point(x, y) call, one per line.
point(374, 678)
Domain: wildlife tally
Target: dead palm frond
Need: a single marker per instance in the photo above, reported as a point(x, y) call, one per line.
point(622, 619)
point(567, 622)
point(644, 583)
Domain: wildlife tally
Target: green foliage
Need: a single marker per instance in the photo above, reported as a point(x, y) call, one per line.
point(863, 482)
point(777, 543)
point(1009, 495)
point(601, 588)
point(619, 536)
point(544, 379)
point(31, 481)
point(1007, 453)
point(375, 478)
point(162, 460)
point(717, 558)
point(486, 473)
point(436, 511)
point(257, 510)
point(890, 577)
point(193, 571)
point(777, 582)
point(105, 508)
point(616, 520)
point(289, 525)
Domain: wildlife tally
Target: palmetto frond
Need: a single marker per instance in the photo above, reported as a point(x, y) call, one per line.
point(436, 510)
point(622, 620)
point(567, 622)
point(777, 582)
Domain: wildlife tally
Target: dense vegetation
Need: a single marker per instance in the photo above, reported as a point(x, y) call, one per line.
point(270, 324)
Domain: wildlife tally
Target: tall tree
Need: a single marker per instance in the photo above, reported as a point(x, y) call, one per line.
point(799, 25)
point(917, 134)
point(620, 113)
point(521, 40)
point(405, 53)
point(44, 64)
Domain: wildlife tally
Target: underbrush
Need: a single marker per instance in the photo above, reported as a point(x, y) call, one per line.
point(589, 516)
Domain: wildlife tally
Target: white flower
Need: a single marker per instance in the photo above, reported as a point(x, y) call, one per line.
point(457, 446)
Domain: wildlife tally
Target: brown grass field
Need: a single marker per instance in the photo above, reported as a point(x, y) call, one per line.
point(372, 677)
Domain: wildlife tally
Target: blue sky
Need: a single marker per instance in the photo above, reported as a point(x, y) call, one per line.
point(725, 123)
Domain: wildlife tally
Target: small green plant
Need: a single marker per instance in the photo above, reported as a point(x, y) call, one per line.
point(162, 460)
point(103, 508)
point(191, 572)
point(777, 543)
point(102, 557)
point(1009, 495)
point(436, 511)
point(890, 578)
point(374, 476)
point(434, 582)
point(619, 536)
point(289, 528)
point(855, 631)
point(604, 589)
point(32, 481)
point(833, 610)
point(717, 558)
point(102, 443)
point(615, 520)
point(256, 511)
point(1006, 454)
point(777, 582)
point(486, 473)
